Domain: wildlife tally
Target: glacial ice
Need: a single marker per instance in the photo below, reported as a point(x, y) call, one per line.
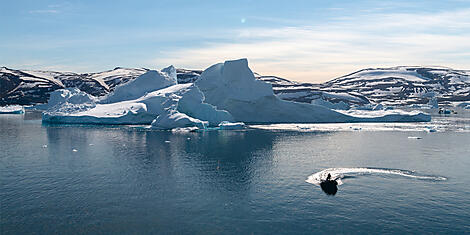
point(166, 108)
point(12, 109)
point(226, 125)
point(231, 86)
point(225, 92)
point(150, 81)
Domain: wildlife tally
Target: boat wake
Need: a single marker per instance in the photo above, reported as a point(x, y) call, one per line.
point(338, 174)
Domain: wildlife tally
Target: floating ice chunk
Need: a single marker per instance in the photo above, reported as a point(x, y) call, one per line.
point(395, 115)
point(225, 125)
point(184, 130)
point(12, 109)
point(176, 119)
point(430, 129)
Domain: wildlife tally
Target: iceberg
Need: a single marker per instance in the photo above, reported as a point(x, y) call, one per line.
point(12, 109)
point(226, 96)
point(231, 86)
point(175, 106)
point(150, 81)
point(176, 119)
point(225, 125)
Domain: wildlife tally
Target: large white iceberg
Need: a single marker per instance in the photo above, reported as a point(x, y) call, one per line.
point(225, 92)
point(175, 106)
point(231, 86)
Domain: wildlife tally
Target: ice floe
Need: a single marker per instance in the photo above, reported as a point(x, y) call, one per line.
point(12, 109)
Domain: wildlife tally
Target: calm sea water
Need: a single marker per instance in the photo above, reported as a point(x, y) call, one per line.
point(92, 179)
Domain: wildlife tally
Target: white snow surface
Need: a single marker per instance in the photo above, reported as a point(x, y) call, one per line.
point(12, 109)
point(225, 125)
point(225, 92)
point(150, 81)
point(398, 72)
point(175, 106)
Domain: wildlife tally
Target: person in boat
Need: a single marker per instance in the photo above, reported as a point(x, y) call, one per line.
point(328, 178)
point(329, 186)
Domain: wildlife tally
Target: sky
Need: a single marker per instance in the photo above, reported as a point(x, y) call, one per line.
point(307, 41)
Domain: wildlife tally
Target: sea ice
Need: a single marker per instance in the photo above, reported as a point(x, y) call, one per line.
point(12, 109)
point(225, 125)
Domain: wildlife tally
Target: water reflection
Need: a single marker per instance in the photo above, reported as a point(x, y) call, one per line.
point(227, 159)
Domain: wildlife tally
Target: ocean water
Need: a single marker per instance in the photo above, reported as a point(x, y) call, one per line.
point(395, 178)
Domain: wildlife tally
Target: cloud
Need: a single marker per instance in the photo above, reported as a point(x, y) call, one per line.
point(321, 52)
point(46, 11)
point(52, 8)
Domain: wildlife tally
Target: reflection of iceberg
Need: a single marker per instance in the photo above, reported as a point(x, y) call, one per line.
point(342, 173)
point(225, 92)
point(12, 109)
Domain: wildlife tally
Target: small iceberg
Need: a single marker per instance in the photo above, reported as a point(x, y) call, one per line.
point(226, 125)
point(414, 137)
point(12, 109)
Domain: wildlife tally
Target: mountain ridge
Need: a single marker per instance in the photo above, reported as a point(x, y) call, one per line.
point(398, 85)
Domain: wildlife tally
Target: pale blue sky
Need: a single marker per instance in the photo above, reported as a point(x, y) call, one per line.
point(309, 41)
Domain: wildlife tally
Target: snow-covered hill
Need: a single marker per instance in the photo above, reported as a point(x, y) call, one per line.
point(402, 85)
point(32, 87)
point(405, 85)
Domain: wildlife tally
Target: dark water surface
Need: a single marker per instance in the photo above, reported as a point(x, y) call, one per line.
point(91, 179)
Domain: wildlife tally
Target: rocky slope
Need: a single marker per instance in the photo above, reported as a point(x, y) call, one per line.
point(403, 85)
